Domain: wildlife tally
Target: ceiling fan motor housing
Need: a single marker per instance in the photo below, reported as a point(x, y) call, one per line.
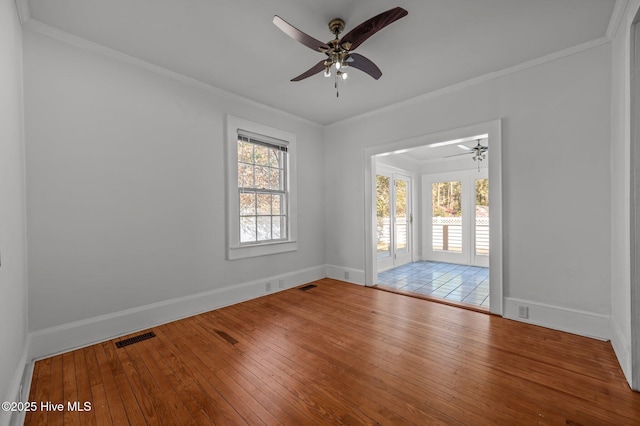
point(336, 26)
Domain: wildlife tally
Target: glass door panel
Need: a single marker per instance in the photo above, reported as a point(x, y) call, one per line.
point(393, 220)
point(446, 216)
point(401, 219)
point(383, 216)
point(482, 217)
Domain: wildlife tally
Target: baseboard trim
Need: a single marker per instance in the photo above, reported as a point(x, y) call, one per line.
point(583, 323)
point(355, 276)
point(66, 337)
point(622, 349)
point(19, 377)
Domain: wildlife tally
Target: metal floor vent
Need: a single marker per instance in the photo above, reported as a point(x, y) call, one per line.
point(135, 339)
point(308, 287)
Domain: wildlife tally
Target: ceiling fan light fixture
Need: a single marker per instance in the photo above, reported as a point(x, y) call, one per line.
point(327, 71)
point(343, 75)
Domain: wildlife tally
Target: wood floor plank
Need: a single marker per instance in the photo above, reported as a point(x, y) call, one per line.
point(83, 388)
point(70, 390)
point(167, 386)
point(123, 387)
point(40, 392)
point(174, 376)
point(261, 391)
point(241, 349)
point(137, 383)
point(114, 399)
point(100, 405)
point(341, 354)
point(203, 370)
point(55, 416)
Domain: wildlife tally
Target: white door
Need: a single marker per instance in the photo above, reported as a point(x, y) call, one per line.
point(393, 220)
point(456, 217)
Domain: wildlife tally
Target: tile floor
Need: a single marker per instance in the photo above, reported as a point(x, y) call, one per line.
point(454, 283)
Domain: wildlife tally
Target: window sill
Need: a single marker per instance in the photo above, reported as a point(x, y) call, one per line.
point(255, 250)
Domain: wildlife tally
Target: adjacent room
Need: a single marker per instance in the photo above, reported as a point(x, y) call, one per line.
point(436, 197)
point(334, 212)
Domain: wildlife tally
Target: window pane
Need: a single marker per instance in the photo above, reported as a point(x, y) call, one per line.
point(245, 152)
point(247, 204)
point(274, 179)
point(276, 206)
point(447, 216)
point(276, 228)
point(264, 204)
point(274, 158)
point(261, 154)
point(482, 216)
point(264, 228)
point(383, 216)
point(245, 176)
point(247, 229)
point(279, 227)
point(261, 177)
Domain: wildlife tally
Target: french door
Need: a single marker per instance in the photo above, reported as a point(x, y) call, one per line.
point(456, 217)
point(393, 219)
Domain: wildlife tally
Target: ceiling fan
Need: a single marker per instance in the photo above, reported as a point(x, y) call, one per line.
point(478, 151)
point(339, 51)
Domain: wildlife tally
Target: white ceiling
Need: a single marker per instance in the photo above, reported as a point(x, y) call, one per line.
point(441, 151)
point(233, 44)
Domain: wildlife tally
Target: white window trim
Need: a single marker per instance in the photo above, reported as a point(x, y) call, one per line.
point(234, 249)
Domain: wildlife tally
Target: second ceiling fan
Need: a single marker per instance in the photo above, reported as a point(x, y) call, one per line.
point(339, 51)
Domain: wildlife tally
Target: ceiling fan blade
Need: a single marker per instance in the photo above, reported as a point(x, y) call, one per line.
point(368, 28)
point(466, 148)
point(311, 71)
point(299, 36)
point(363, 64)
point(455, 155)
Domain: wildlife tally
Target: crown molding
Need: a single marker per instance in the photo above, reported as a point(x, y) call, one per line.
point(83, 43)
point(477, 80)
point(23, 11)
point(619, 10)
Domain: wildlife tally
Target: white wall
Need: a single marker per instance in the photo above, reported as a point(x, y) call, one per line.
point(555, 168)
point(620, 190)
point(13, 287)
point(126, 186)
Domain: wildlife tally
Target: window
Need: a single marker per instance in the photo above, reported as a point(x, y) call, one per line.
point(262, 189)
point(261, 196)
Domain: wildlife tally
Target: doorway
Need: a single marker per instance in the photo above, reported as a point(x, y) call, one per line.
point(489, 130)
point(394, 218)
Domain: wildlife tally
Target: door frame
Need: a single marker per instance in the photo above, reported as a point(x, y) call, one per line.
point(634, 199)
point(494, 156)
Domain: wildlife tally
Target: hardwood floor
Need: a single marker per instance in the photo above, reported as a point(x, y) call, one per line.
point(340, 354)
